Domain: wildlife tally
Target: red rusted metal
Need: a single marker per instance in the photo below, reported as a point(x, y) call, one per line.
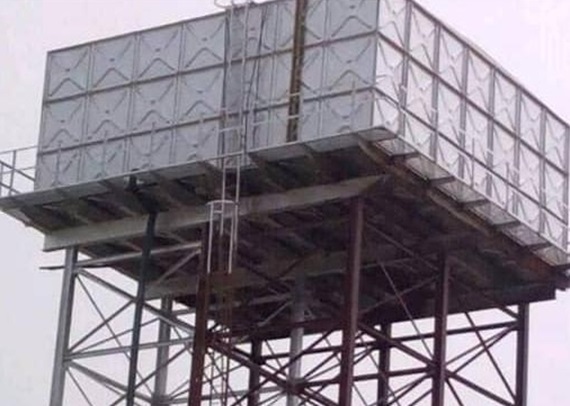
point(351, 301)
point(441, 310)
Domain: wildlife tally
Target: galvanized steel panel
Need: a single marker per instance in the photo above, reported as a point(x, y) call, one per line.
point(471, 119)
point(102, 160)
point(203, 43)
point(107, 115)
point(153, 105)
point(349, 65)
point(185, 92)
point(199, 95)
point(149, 150)
point(158, 52)
point(195, 142)
point(347, 18)
point(113, 62)
point(62, 125)
point(67, 72)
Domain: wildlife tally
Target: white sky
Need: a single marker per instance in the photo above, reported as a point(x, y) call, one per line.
point(530, 38)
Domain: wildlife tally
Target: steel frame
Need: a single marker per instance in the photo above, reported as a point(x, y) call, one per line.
point(345, 358)
point(94, 349)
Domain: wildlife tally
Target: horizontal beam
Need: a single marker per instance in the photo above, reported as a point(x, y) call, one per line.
point(196, 215)
point(422, 189)
point(320, 263)
point(110, 260)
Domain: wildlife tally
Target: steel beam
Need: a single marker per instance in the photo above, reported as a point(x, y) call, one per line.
point(64, 328)
point(319, 263)
point(351, 300)
point(197, 215)
point(440, 338)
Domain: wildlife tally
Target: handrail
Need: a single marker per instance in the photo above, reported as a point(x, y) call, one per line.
point(16, 178)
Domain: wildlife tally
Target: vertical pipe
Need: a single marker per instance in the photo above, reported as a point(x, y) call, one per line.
point(139, 304)
point(296, 343)
point(296, 70)
point(350, 305)
point(64, 328)
point(522, 355)
point(161, 379)
point(441, 309)
point(384, 367)
point(253, 395)
point(434, 144)
point(201, 323)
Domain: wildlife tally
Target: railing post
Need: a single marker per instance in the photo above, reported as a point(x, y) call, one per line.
point(1, 179)
point(11, 188)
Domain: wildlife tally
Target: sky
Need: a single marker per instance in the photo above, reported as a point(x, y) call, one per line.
point(529, 38)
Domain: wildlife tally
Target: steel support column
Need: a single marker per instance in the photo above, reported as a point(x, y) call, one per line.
point(351, 299)
point(296, 343)
point(201, 326)
point(522, 355)
point(384, 367)
point(64, 327)
point(254, 376)
point(440, 338)
point(139, 305)
point(164, 333)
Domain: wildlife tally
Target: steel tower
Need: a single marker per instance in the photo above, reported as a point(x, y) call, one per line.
point(321, 202)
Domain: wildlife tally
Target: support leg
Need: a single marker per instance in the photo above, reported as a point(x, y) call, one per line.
point(64, 326)
point(384, 367)
point(296, 344)
point(350, 305)
point(139, 305)
point(254, 376)
point(201, 325)
point(522, 356)
point(160, 383)
point(441, 309)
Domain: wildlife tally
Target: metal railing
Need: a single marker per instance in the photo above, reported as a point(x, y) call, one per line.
point(493, 177)
point(17, 171)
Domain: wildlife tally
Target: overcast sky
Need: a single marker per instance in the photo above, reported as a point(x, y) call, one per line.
point(530, 38)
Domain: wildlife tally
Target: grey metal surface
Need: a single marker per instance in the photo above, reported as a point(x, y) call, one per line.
point(181, 93)
point(471, 120)
point(173, 94)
